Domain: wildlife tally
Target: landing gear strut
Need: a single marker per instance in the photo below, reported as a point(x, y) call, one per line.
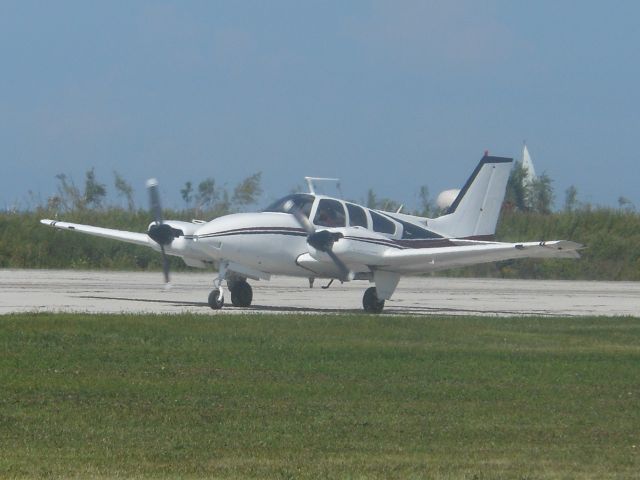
point(216, 297)
point(241, 293)
point(370, 301)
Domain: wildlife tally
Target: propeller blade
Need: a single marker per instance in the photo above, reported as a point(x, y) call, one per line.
point(346, 274)
point(160, 232)
point(154, 200)
point(165, 265)
point(302, 219)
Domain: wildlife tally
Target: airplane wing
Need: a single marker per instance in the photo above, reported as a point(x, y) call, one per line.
point(429, 259)
point(122, 235)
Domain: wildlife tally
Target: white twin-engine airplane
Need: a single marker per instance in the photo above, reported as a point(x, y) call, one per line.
point(315, 236)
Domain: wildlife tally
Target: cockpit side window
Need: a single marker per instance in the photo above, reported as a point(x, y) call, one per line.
point(330, 213)
point(357, 216)
point(303, 201)
point(382, 224)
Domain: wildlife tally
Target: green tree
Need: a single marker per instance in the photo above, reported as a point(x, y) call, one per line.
point(570, 199)
point(54, 204)
point(94, 192)
point(187, 193)
point(372, 201)
point(426, 206)
point(207, 194)
point(542, 194)
point(625, 204)
point(389, 205)
point(124, 189)
point(384, 204)
point(247, 191)
point(223, 206)
point(69, 197)
point(517, 194)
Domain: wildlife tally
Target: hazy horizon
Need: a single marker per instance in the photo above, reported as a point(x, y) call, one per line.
point(385, 95)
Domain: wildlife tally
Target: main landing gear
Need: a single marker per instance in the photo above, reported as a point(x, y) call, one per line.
point(241, 292)
point(241, 295)
point(370, 301)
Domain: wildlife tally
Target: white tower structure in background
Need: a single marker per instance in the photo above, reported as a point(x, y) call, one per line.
point(530, 175)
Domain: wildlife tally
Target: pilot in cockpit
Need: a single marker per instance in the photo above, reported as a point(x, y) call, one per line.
point(328, 216)
point(324, 219)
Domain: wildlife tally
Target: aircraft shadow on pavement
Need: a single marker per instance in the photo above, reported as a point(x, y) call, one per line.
point(391, 310)
point(258, 308)
point(148, 300)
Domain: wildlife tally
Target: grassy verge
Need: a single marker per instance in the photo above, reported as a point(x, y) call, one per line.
point(313, 396)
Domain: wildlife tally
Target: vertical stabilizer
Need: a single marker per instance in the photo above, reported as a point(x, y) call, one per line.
point(475, 211)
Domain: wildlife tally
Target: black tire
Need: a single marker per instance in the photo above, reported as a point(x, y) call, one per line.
point(370, 301)
point(214, 303)
point(241, 294)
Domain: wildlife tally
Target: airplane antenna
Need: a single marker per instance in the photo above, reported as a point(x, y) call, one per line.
point(311, 184)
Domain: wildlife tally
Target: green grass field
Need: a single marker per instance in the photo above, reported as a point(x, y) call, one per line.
point(318, 397)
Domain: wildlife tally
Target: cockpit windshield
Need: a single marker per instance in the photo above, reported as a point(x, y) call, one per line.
point(303, 201)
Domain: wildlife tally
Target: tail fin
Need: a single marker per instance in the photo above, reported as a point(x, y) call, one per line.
point(474, 212)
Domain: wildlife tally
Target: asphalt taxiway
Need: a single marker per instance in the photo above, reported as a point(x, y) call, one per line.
point(144, 292)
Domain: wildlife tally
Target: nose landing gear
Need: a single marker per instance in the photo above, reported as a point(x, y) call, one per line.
point(241, 292)
point(216, 299)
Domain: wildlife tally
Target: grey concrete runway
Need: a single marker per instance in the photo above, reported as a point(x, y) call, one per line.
point(91, 291)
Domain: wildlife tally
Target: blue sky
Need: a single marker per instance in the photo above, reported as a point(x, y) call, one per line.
point(389, 95)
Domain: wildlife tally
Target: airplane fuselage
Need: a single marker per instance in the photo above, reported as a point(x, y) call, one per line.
point(266, 241)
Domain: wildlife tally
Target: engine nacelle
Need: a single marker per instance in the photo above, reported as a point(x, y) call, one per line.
point(179, 227)
point(357, 247)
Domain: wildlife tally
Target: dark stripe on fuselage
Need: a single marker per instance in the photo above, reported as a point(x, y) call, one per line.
point(376, 241)
point(391, 243)
point(299, 232)
point(426, 243)
point(481, 238)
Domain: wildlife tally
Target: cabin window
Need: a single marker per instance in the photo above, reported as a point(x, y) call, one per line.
point(357, 216)
point(302, 201)
point(330, 213)
point(411, 232)
point(382, 224)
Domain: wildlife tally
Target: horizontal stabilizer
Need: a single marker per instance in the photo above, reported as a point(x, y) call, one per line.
point(425, 260)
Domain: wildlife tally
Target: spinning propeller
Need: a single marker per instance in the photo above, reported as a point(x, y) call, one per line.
point(322, 240)
point(159, 232)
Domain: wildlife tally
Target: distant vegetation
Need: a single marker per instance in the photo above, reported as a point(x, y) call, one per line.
point(612, 236)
